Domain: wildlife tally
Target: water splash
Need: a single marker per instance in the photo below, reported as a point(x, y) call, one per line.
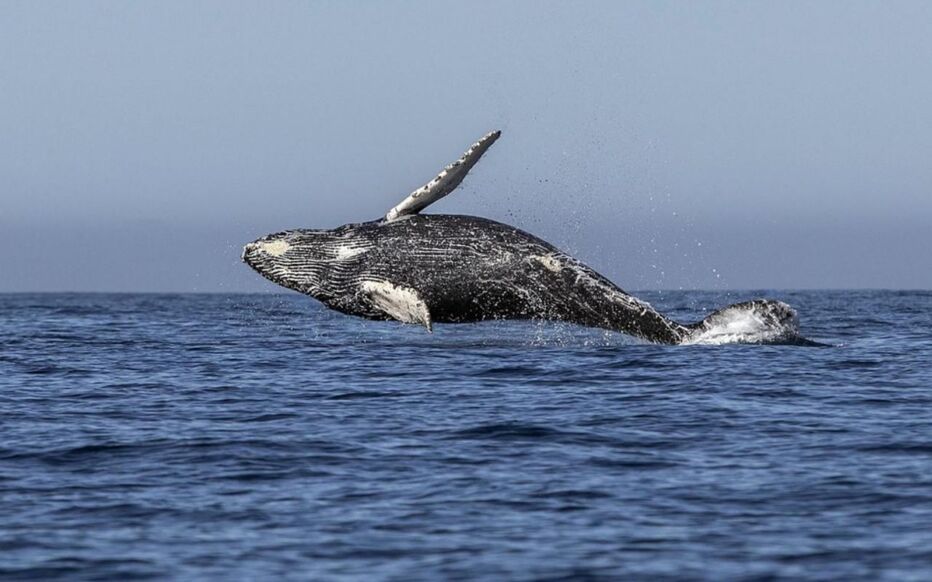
point(752, 322)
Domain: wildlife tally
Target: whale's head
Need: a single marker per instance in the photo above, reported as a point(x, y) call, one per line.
point(308, 261)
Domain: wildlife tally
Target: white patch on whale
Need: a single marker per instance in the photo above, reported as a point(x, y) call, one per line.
point(345, 252)
point(276, 248)
point(400, 303)
point(549, 262)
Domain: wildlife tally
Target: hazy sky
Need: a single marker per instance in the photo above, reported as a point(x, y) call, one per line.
point(682, 144)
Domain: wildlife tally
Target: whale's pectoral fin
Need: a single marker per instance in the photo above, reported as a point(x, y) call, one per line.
point(397, 302)
point(445, 182)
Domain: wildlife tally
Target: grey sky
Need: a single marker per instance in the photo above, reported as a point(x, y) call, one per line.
point(709, 145)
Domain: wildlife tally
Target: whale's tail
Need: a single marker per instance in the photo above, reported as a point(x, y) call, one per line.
point(761, 321)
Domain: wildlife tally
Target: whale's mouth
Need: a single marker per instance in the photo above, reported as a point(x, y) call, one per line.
point(761, 321)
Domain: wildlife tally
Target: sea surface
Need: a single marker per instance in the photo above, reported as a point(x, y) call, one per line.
point(254, 437)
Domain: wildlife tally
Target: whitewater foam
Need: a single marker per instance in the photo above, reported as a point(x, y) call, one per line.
point(753, 322)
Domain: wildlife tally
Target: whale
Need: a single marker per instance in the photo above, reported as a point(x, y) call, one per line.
point(428, 269)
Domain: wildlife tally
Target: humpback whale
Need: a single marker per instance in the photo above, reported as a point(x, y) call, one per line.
point(433, 268)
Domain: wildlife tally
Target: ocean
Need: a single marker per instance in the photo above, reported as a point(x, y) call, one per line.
point(249, 437)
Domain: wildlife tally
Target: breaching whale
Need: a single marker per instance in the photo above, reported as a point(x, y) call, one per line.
point(433, 268)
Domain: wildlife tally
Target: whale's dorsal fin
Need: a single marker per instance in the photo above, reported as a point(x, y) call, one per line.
point(397, 302)
point(445, 182)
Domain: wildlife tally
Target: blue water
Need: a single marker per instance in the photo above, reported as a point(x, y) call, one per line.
point(260, 436)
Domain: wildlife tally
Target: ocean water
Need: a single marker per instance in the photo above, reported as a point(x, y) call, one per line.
point(245, 437)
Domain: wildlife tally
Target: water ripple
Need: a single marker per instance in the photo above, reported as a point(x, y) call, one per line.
point(260, 437)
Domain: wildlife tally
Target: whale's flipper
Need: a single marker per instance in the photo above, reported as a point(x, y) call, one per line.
point(445, 182)
point(400, 303)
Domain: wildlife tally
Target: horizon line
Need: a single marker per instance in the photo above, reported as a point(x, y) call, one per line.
point(645, 290)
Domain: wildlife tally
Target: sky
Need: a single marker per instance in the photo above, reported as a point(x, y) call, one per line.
point(712, 145)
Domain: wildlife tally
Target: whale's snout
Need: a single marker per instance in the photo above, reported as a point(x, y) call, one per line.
point(253, 255)
point(266, 249)
point(249, 250)
point(291, 259)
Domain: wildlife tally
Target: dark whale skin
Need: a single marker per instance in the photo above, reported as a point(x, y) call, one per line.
point(464, 268)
